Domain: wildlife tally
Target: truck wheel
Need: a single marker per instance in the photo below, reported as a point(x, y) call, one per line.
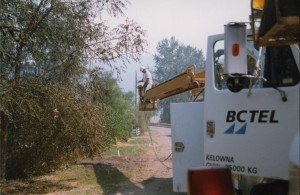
point(275, 188)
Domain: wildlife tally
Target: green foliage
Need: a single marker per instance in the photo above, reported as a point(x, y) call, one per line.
point(142, 119)
point(117, 104)
point(172, 59)
point(56, 105)
point(53, 39)
point(49, 126)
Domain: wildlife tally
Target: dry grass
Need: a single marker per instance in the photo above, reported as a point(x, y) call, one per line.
point(88, 177)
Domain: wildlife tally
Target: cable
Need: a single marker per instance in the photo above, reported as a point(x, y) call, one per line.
point(154, 148)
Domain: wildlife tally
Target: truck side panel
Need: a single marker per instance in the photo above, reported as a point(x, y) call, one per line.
point(187, 132)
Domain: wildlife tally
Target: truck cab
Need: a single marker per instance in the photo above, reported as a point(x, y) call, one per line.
point(249, 128)
point(248, 118)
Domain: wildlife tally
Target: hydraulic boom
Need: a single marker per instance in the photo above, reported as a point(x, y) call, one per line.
point(183, 82)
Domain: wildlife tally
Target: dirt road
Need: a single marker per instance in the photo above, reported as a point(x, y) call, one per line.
point(151, 173)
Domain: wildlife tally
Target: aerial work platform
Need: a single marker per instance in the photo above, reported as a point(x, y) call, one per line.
point(185, 81)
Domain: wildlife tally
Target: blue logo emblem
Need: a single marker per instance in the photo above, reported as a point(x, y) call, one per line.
point(240, 131)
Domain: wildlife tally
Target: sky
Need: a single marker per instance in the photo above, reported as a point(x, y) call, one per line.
point(189, 21)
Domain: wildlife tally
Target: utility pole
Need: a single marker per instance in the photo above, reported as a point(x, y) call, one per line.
point(135, 90)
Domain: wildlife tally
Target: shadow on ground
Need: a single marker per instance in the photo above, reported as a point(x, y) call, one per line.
point(114, 182)
point(31, 187)
point(154, 186)
point(110, 178)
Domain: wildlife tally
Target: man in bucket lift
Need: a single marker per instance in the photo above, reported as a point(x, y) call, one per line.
point(147, 78)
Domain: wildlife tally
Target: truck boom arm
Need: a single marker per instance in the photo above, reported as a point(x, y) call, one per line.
point(279, 22)
point(183, 82)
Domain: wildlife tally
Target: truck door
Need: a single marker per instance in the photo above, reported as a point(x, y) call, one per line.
point(187, 141)
point(250, 131)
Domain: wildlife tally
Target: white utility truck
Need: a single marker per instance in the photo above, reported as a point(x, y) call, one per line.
point(251, 109)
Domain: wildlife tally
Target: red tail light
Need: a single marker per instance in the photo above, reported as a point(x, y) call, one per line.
point(210, 181)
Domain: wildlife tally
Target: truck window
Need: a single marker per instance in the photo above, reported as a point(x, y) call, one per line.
point(280, 67)
point(220, 78)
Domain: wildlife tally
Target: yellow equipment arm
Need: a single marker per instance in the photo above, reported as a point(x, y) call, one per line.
point(279, 22)
point(185, 81)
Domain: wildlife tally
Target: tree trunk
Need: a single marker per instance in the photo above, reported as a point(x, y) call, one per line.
point(3, 146)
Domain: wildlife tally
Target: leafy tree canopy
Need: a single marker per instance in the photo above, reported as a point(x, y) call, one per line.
point(44, 37)
point(172, 59)
point(56, 105)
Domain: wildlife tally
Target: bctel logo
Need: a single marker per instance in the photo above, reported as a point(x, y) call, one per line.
point(248, 116)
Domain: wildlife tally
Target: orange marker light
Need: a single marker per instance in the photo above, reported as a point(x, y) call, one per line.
point(258, 4)
point(210, 181)
point(235, 49)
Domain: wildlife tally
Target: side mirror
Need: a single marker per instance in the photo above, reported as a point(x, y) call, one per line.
point(235, 49)
point(235, 56)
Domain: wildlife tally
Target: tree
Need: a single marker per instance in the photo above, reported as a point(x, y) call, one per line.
point(118, 105)
point(48, 112)
point(172, 59)
point(40, 37)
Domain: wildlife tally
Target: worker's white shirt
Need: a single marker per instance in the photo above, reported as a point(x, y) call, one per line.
point(146, 75)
